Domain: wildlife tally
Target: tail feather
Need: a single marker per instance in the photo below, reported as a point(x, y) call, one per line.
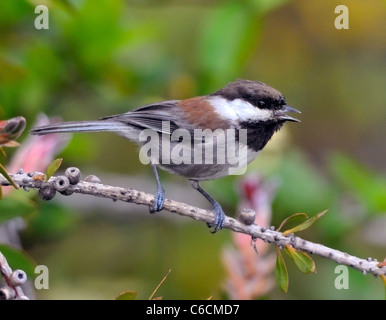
point(81, 126)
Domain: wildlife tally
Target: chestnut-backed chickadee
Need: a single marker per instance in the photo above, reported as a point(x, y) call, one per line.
point(252, 110)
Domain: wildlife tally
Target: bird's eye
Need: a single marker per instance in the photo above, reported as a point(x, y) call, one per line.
point(261, 104)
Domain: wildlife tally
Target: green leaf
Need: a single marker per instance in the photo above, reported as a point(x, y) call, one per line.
point(306, 224)
point(281, 273)
point(12, 207)
point(4, 172)
point(10, 130)
point(127, 295)
point(296, 215)
point(18, 259)
point(53, 167)
point(302, 260)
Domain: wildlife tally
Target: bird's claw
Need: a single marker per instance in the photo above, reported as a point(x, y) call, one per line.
point(158, 201)
point(219, 218)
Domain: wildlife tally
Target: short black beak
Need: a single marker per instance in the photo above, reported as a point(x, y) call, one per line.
point(282, 116)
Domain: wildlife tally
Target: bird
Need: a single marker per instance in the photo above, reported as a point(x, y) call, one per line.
point(166, 131)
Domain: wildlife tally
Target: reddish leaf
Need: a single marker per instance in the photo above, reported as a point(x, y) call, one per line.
point(39, 176)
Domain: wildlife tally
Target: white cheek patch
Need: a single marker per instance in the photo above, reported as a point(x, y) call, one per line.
point(239, 110)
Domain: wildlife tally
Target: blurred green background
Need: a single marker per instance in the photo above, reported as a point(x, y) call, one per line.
point(105, 57)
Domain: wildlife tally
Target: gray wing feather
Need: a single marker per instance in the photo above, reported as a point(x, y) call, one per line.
point(151, 116)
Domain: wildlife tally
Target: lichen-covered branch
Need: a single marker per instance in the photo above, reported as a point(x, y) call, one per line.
point(70, 183)
point(13, 280)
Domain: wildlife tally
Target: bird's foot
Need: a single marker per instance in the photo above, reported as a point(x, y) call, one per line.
point(219, 218)
point(158, 201)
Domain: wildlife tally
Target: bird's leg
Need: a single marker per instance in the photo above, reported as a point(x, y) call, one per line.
point(219, 213)
point(160, 195)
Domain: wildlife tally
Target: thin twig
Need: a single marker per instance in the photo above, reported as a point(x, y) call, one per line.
point(134, 196)
point(159, 285)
